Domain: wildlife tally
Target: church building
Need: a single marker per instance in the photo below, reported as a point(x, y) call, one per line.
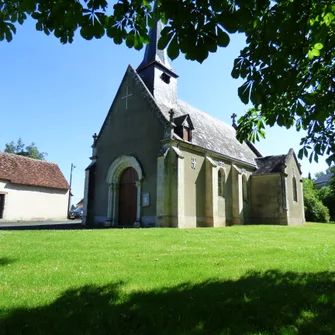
point(160, 162)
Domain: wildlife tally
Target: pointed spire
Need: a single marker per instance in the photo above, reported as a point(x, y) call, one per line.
point(152, 53)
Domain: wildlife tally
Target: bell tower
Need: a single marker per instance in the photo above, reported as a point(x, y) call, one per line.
point(155, 70)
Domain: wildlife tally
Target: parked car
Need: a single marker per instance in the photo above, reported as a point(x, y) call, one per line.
point(76, 214)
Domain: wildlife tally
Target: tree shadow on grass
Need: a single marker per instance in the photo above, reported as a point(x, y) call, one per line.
point(5, 261)
point(269, 302)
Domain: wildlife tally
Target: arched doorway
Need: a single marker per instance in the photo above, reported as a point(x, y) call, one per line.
point(125, 170)
point(128, 197)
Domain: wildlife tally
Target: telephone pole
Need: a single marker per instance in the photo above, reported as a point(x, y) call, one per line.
point(69, 201)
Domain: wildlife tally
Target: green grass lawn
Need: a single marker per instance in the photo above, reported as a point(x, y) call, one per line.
point(235, 280)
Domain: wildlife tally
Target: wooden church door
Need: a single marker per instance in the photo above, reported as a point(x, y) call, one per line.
point(128, 197)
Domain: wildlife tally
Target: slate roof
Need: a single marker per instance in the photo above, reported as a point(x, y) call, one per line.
point(323, 180)
point(210, 133)
point(27, 171)
point(270, 164)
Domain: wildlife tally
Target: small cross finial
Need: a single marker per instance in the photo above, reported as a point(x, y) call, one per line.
point(234, 116)
point(95, 136)
point(171, 112)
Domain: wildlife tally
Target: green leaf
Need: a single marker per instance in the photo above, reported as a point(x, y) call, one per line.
point(315, 52)
point(164, 40)
point(318, 46)
point(111, 31)
point(21, 18)
point(12, 27)
point(146, 39)
point(99, 30)
point(39, 26)
point(87, 32)
point(244, 92)
point(229, 22)
point(235, 73)
point(310, 54)
point(328, 18)
point(173, 49)
point(222, 38)
point(138, 42)
point(117, 39)
point(151, 21)
point(9, 35)
point(216, 4)
point(130, 40)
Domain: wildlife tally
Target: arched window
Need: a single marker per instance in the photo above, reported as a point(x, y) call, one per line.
point(221, 182)
point(245, 188)
point(294, 189)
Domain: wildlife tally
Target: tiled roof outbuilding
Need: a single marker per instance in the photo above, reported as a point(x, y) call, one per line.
point(28, 171)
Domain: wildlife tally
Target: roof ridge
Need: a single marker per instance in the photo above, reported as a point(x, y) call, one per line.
point(26, 157)
point(282, 155)
point(23, 170)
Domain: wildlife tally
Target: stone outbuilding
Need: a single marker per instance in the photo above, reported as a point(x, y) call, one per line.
point(31, 189)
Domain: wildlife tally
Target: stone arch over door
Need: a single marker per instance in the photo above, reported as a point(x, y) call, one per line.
point(114, 175)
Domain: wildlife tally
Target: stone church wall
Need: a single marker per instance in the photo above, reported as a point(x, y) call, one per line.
point(203, 206)
point(134, 131)
point(195, 189)
point(225, 202)
point(296, 215)
point(241, 196)
point(267, 195)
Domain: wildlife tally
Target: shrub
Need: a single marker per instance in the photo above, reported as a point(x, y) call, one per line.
point(327, 196)
point(315, 210)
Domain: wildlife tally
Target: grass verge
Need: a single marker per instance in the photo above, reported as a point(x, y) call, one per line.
point(236, 280)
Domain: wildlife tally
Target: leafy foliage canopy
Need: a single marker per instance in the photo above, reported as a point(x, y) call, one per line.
point(288, 63)
point(19, 148)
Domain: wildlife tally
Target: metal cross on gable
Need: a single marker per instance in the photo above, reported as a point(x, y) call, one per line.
point(127, 96)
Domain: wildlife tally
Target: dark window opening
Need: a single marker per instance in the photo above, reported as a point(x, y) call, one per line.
point(184, 127)
point(2, 205)
point(221, 182)
point(179, 131)
point(245, 188)
point(166, 78)
point(295, 191)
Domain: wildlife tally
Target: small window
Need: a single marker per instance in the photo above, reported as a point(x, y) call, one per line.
point(245, 188)
point(166, 78)
point(179, 131)
point(221, 182)
point(184, 127)
point(294, 188)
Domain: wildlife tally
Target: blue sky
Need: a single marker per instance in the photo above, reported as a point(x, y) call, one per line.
point(58, 95)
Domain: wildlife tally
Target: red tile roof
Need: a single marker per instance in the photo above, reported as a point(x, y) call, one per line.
point(28, 171)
